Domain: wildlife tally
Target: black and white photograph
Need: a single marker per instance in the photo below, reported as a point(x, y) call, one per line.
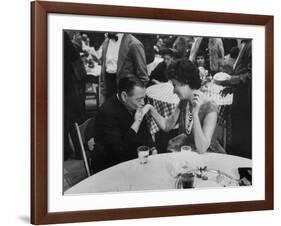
point(144, 112)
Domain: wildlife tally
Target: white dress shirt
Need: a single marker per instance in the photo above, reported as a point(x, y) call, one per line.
point(112, 54)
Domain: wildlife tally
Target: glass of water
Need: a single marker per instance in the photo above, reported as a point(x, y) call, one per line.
point(143, 153)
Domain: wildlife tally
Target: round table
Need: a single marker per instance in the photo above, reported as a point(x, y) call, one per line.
point(158, 173)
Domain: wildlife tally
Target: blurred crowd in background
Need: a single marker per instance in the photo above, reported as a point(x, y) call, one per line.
point(83, 56)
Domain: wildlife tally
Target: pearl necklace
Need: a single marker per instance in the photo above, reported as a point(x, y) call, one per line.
point(188, 121)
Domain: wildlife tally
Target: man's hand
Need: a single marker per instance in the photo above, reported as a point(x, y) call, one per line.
point(91, 144)
point(141, 112)
point(226, 91)
point(246, 76)
point(138, 115)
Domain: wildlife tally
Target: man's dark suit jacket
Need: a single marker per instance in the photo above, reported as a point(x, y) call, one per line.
point(74, 75)
point(241, 109)
point(115, 140)
point(160, 73)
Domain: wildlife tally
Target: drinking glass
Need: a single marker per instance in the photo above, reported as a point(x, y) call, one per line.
point(143, 153)
point(185, 148)
point(187, 180)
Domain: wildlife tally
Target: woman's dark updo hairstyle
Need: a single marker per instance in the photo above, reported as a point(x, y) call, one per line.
point(185, 72)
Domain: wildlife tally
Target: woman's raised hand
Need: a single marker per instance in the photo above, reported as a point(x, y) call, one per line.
point(197, 100)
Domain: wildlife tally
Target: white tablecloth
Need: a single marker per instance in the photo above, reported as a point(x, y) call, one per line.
point(158, 173)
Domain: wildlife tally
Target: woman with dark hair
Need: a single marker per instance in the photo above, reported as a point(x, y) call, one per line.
point(214, 51)
point(196, 114)
point(201, 64)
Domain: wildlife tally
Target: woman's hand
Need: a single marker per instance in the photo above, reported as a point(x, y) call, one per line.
point(146, 109)
point(141, 112)
point(197, 101)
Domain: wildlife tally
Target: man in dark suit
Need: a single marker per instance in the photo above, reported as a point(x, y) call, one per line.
point(122, 55)
point(74, 75)
point(240, 84)
point(119, 126)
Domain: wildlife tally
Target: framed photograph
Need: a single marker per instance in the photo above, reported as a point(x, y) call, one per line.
point(147, 112)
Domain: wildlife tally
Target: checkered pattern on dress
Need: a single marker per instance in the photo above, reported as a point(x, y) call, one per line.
point(163, 108)
point(161, 96)
point(166, 108)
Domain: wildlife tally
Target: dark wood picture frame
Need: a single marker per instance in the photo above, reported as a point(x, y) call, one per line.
point(39, 109)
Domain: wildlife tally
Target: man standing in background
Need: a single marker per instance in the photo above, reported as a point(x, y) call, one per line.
point(122, 56)
point(240, 84)
point(74, 75)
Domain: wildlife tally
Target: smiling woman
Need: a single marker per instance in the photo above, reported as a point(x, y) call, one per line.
point(197, 116)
